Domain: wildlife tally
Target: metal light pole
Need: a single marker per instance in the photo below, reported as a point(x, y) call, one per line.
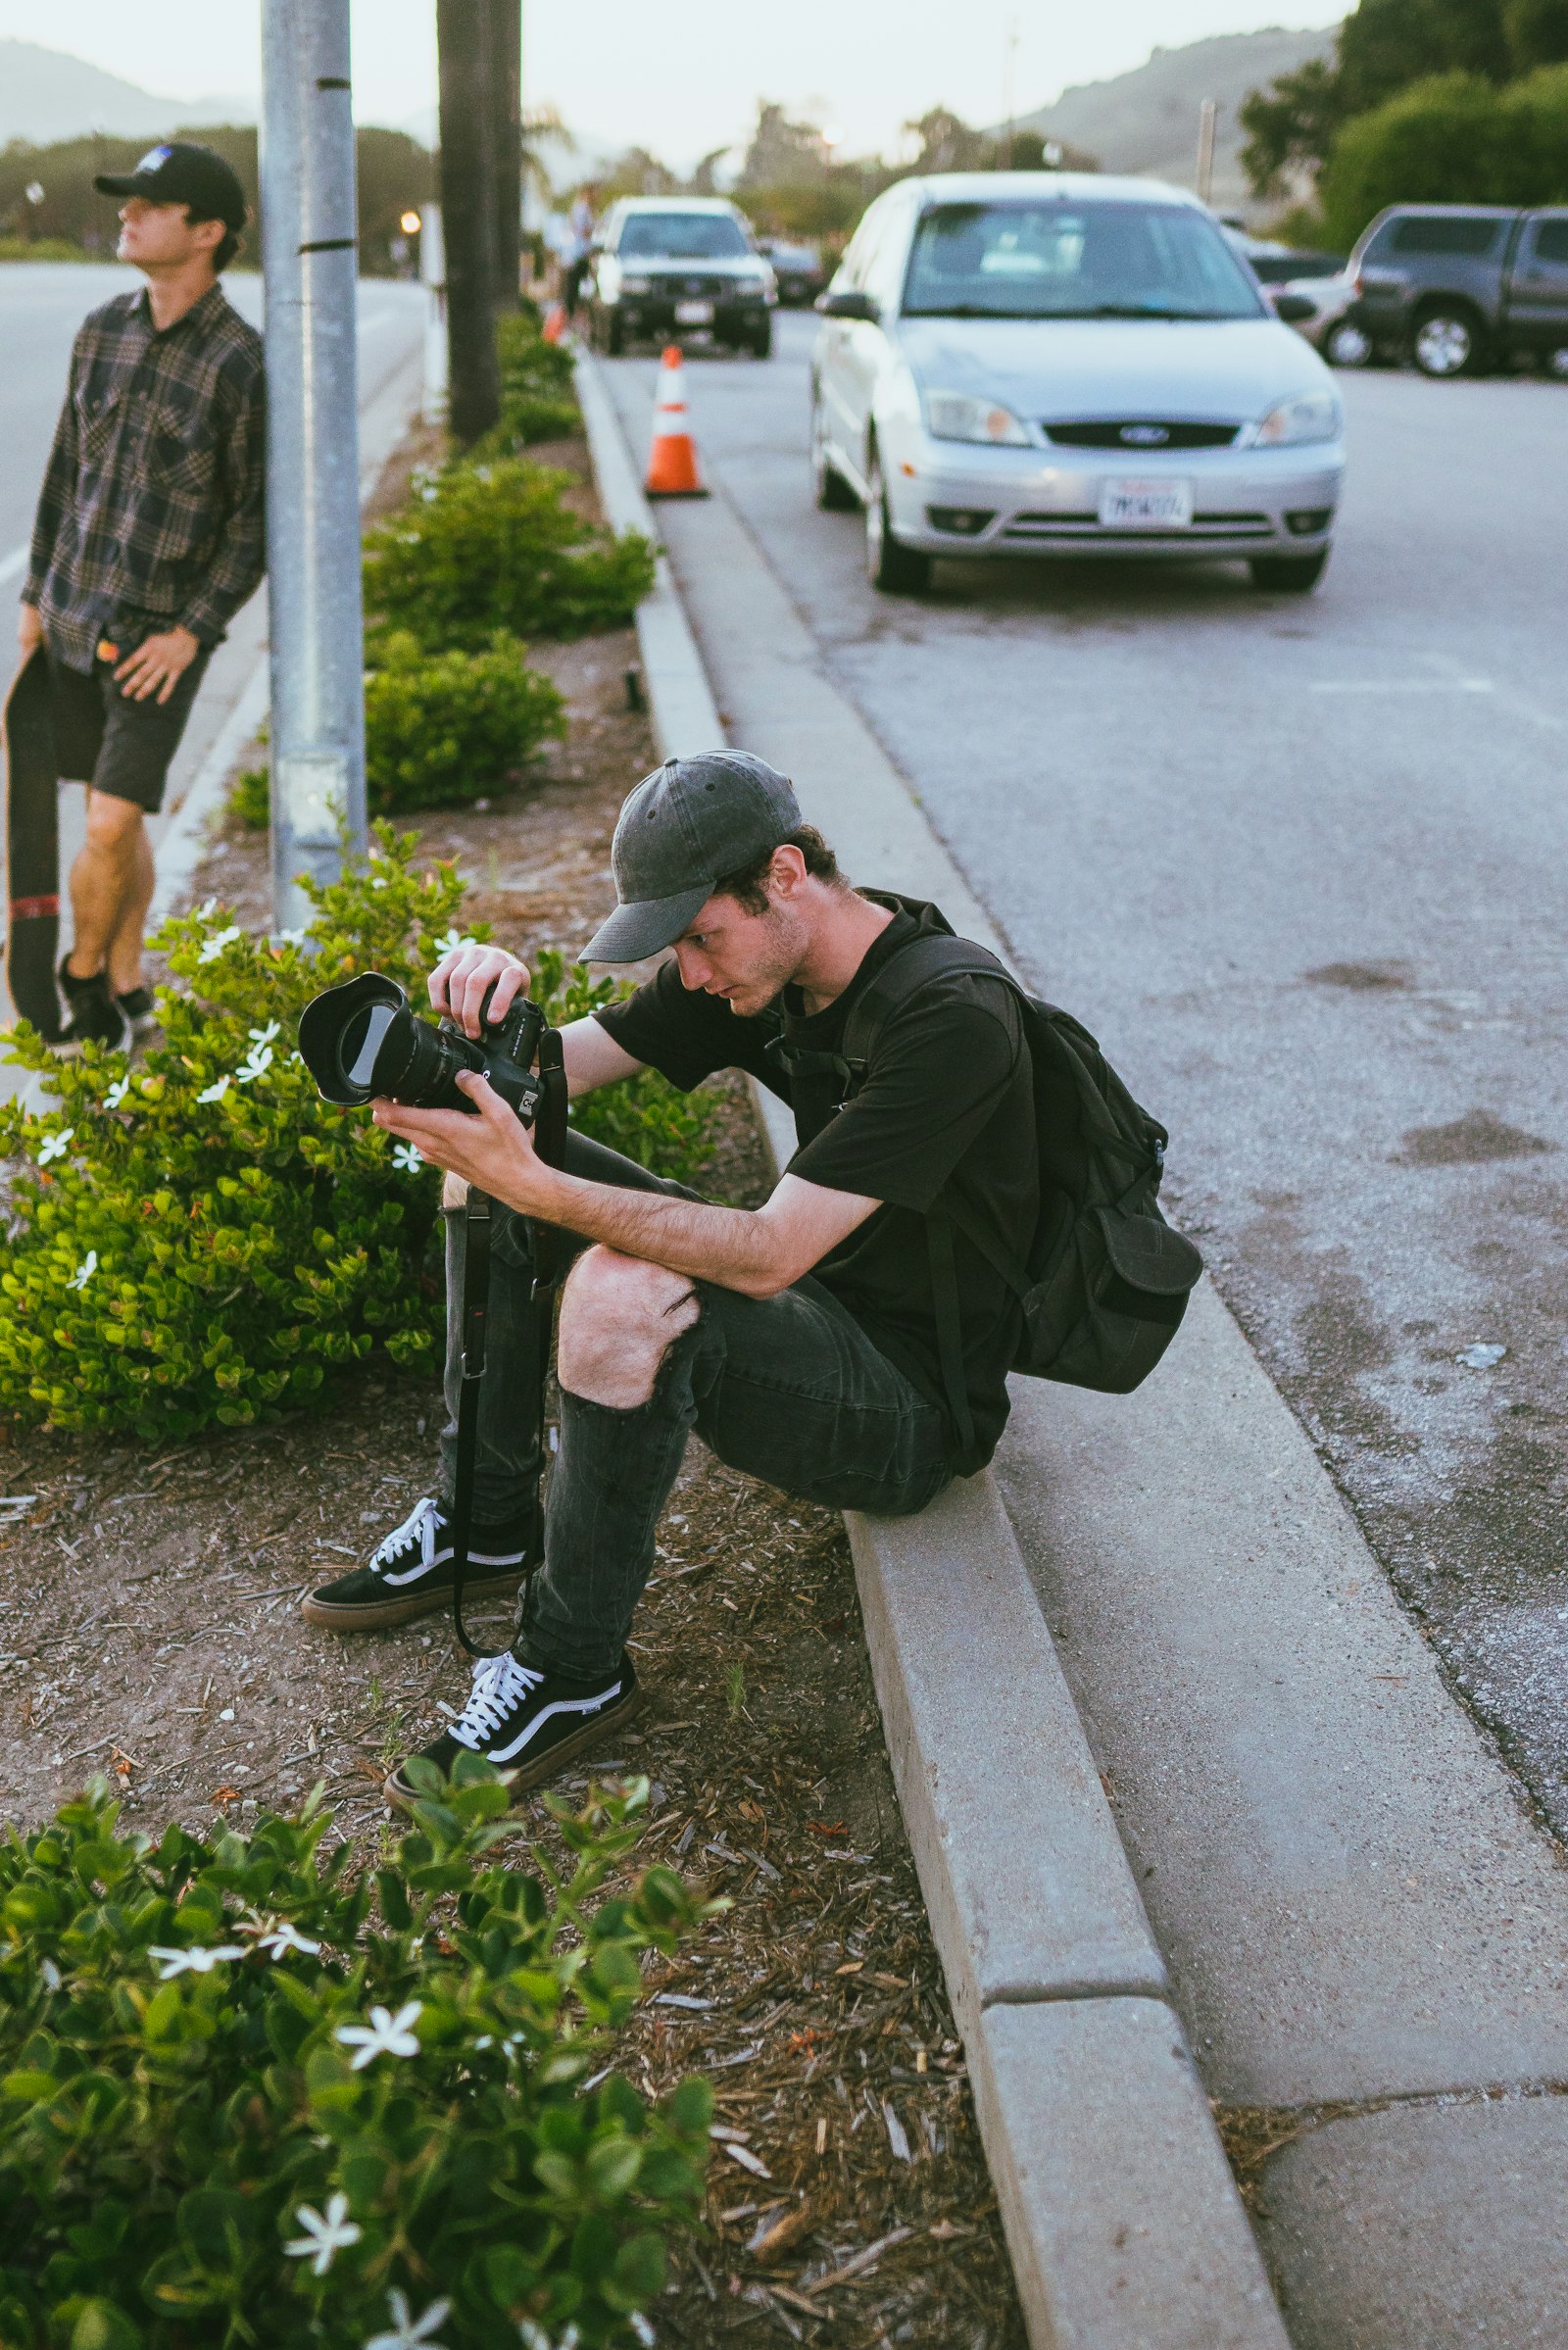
point(309, 239)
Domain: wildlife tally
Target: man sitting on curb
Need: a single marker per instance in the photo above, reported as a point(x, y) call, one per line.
point(799, 1338)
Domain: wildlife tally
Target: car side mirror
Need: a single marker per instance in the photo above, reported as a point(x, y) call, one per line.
point(1293, 309)
point(850, 306)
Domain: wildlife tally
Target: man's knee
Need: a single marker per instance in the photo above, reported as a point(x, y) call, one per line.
point(112, 824)
point(618, 1318)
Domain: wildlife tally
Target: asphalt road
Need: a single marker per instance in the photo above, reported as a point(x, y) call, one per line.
point(41, 306)
point(1299, 864)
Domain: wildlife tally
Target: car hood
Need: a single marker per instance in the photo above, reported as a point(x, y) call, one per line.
point(1072, 367)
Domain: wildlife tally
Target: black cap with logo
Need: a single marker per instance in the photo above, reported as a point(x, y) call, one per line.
point(688, 825)
point(179, 173)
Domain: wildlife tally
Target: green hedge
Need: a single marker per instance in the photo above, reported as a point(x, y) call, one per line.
point(442, 729)
point(496, 546)
point(202, 1239)
point(538, 400)
point(248, 2097)
point(1454, 138)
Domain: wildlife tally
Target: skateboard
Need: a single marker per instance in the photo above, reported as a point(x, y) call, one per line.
point(33, 847)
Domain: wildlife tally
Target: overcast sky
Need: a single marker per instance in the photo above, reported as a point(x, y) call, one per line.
point(683, 76)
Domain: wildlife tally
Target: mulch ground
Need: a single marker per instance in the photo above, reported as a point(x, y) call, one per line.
point(149, 1629)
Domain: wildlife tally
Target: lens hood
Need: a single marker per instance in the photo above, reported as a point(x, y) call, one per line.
point(336, 1020)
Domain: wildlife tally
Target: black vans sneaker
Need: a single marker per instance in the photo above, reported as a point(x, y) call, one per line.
point(92, 1015)
point(410, 1572)
point(140, 1009)
point(530, 1725)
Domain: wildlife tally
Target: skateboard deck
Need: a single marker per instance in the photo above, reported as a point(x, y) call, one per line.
point(33, 847)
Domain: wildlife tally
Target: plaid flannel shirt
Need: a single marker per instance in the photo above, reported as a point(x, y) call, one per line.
point(151, 514)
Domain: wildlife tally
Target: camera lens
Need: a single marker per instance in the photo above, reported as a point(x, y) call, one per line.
point(360, 1044)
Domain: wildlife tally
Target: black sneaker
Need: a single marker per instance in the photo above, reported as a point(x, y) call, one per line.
point(140, 1010)
point(530, 1725)
point(410, 1572)
point(93, 1017)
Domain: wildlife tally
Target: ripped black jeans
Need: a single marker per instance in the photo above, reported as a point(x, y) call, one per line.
point(788, 1389)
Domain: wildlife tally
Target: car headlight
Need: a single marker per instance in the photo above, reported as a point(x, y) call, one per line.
point(634, 285)
point(750, 285)
point(1313, 416)
point(961, 416)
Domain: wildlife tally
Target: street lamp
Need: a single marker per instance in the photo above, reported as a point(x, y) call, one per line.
point(409, 224)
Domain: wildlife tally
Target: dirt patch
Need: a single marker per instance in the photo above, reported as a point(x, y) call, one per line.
point(1469, 1141)
point(149, 1629)
point(1361, 978)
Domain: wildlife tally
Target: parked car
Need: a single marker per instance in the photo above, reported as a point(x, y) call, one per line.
point(683, 266)
point(1461, 287)
point(1066, 364)
point(797, 267)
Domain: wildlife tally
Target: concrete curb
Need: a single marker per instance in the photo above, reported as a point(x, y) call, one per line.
point(1123, 2218)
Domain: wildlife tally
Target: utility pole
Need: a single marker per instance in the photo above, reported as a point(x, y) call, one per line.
point(505, 139)
point(468, 213)
point(1206, 150)
point(309, 242)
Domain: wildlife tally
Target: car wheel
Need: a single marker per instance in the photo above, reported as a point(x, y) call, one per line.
point(829, 488)
point(1289, 575)
point(1448, 342)
point(615, 334)
point(897, 570)
point(1348, 345)
point(760, 344)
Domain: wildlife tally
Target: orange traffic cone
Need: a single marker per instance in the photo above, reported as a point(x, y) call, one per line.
point(554, 325)
point(672, 456)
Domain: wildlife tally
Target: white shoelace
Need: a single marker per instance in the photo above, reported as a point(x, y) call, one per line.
point(498, 1684)
point(420, 1523)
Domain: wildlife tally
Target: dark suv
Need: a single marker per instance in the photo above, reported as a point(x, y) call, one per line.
point(1461, 287)
point(682, 267)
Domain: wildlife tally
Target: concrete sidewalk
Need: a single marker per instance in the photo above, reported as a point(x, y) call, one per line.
point(1365, 1935)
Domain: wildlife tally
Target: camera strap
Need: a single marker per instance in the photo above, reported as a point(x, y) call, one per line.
point(475, 1309)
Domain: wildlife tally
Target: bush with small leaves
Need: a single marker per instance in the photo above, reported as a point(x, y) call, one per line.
point(443, 729)
point(248, 2097)
point(537, 400)
point(200, 1237)
point(487, 545)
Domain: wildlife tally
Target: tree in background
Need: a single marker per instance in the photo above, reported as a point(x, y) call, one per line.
point(1383, 48)
point(394, 174)
point(1454, 139)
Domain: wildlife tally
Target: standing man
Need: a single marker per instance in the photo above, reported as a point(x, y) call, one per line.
point(149, 537)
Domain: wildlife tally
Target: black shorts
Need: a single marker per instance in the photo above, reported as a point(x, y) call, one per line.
point(116, 745)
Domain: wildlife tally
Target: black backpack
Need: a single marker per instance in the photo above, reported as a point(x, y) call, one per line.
point(1107, 1280)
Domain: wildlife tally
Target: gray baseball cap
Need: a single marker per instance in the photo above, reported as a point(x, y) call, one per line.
point(683, 829)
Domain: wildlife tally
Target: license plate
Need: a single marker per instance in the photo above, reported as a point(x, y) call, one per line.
point(1145, 505)
point(694, 313)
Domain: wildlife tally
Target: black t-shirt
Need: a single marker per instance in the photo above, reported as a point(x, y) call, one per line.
point(949, 1094)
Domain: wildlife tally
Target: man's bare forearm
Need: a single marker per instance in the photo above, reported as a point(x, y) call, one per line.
point(734, 1247)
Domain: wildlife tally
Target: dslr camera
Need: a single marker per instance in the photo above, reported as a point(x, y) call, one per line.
point(362, 1041)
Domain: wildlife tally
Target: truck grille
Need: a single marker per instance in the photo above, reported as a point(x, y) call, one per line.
point(1136, 434)
point(690, 289)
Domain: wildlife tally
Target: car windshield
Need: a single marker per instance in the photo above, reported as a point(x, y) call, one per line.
point(1055, 260)
point(681, 237)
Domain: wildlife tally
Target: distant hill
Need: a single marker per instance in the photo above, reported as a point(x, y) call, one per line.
point(1146, 122)
point(46, 96)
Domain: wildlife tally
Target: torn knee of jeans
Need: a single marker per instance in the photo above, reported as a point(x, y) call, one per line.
point(619, 1321)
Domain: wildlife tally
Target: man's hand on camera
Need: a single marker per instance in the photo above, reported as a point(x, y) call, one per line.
point(493, 1152)
point(463, 979)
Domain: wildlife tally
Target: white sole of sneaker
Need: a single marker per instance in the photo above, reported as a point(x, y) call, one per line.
point(597, 1733)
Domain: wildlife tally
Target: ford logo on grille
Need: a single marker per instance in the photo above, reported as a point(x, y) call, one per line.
point(1145, 436)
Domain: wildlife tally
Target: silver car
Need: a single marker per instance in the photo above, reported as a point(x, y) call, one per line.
point(1062, 363)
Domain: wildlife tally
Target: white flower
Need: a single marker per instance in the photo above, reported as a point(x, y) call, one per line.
point(264, 1036)
point(191, 1962)
point(379, 881)
point(215, 1092)
point(52, 1976)
point(256, 1064)
point(453, 939)
point(534, 2337)
point(117, 1093)
point(54, 1146)
point(323, 2237)
point(387, 2034)
point(408, 1158)
point(642, 2329)
point(84, 1271)
point(408, 2334)
point(284, 1937)
point(291, 938)
point(218, 942)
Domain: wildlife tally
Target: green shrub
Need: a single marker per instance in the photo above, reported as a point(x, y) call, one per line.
point(441, 729)
point(250, 2099)
point(482, 547)
point(250, 799)
point(203, 1239)
point(537, 400)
